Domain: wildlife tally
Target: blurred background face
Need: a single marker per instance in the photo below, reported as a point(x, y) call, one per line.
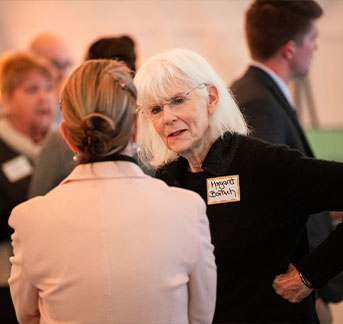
point(53, 49)
point(302, 58)
point(33, 103)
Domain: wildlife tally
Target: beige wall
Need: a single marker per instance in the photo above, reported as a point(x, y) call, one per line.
point(214, 28)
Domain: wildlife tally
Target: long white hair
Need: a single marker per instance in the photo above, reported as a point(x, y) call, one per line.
point(160, 74)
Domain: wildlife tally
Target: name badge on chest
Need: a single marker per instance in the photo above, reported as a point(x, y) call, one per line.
point(17, 168)
point(223, 189)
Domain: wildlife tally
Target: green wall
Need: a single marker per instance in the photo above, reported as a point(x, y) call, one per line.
point(326, 143)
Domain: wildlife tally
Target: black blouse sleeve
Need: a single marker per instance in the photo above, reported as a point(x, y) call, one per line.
point(324, 262)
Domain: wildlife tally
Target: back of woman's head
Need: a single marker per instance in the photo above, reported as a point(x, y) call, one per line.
point(98, 106)
point(15, 67)
point(159, 75)
point(120, 48)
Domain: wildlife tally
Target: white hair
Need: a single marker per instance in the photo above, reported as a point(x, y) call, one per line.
point(163, 72)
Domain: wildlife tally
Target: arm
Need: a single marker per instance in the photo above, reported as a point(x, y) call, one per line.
point(325, 261)
point(203, 278)
point(24, 294)
point(317, 267)
point(290, 286)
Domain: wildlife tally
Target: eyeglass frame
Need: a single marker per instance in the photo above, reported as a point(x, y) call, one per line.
point(184, 95)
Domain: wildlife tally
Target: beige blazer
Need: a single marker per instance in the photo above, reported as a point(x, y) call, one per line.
point(112, 245)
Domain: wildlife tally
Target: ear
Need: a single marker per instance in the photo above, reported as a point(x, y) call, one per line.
point(135, 128)
point(65, 134)
point(213, 98)
point(289, 49)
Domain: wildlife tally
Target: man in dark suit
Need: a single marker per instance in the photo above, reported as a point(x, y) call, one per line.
point(281, 37)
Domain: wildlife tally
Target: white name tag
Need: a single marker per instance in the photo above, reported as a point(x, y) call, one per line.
point(16, 169)
point(223, 189)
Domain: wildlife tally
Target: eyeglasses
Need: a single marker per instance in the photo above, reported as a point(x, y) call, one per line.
point(61, 65)
point(175, 103)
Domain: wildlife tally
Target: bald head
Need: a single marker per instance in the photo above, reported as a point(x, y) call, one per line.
point(53, 48)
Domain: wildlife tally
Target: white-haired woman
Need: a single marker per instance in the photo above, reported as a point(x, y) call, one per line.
point(258, 195)
point(110, 244)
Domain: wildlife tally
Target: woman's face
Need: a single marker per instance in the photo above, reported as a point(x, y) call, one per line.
point(182, 119)
point(33, 102)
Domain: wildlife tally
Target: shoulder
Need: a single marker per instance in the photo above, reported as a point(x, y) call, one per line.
point(172, 172)
point(6, 152)
point(253, 77)
point(24, 214)
point(177, 195)
point(254, 89)
point(257, 152)
point(55, 143)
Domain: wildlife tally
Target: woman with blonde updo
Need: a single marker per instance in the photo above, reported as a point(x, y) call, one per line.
point(110, 244)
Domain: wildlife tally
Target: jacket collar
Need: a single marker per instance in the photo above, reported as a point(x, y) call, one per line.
point(263, 77)
point(105, 170)
point(268, 81)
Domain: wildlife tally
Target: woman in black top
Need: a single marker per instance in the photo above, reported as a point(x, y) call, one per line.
point(258, 195)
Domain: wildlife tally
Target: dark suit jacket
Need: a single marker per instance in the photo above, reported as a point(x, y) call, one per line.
point(267, 111)
point(271, 118)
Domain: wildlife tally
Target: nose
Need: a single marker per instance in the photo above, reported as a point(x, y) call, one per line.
point(46, 95)
point(43, 94)
point(168, 114)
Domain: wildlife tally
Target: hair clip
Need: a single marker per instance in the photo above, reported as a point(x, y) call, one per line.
point(123, 85)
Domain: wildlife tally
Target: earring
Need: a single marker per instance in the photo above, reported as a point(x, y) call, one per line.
point(76, 157)
point(135, 147)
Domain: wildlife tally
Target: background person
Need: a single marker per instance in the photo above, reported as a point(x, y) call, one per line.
point(281, 36)
point(258, 195)
point(54, 49)
point(27, 84)
point(129, 258)
point(55, 161)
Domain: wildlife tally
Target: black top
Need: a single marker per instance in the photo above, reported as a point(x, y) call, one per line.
point(257, 237)
point(11, 193)
point(271, 118)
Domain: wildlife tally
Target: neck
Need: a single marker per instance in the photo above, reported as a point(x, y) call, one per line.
point(196, 158)
point(129, 150)
point(36, 134)
point(280, 67)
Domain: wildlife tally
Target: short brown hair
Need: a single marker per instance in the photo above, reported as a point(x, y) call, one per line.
point(269, 24)
point(15, 67)
point(98, 106)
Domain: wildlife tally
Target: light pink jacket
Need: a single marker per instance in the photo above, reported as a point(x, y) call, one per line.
point(112, 245)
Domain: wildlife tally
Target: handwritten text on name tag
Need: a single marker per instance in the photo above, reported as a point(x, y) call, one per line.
point(223, 189)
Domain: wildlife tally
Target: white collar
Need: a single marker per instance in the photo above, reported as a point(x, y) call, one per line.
point(280, 83)
point(17, 141)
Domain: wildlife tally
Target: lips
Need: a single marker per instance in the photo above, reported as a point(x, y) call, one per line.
point(43, 111)
point(176, 133)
